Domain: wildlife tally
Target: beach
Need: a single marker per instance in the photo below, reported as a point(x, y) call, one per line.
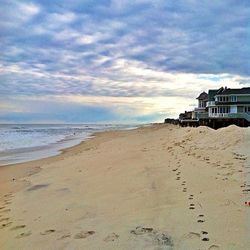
point(156, 187)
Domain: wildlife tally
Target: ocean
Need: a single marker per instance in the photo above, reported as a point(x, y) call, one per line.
point(26, 142)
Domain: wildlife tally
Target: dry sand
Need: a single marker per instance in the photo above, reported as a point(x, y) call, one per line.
point(159, 187)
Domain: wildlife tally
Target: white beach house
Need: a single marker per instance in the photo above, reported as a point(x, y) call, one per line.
point(229, 103)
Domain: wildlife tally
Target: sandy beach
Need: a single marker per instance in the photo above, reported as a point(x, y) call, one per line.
point(157, 187)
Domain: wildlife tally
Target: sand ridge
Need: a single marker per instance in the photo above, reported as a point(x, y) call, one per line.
point(158, 187)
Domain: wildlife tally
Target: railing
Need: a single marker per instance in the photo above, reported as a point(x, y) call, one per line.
point(219, 115)
point(199, 109)
point(202, 115)
point(232, 115)
point(205, 115)
point(241, 115)
point(247, 116)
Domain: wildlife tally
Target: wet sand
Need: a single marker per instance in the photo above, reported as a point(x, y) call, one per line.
point(159, 187)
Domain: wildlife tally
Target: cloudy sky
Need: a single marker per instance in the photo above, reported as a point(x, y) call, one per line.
point(117, 61)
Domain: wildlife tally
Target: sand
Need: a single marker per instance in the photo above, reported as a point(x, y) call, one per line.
point(158, 187)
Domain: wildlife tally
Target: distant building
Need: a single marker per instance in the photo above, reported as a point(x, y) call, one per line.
point(186, 116)
point(229, 103)
point(219, 108)
point(202, 101)
point(202, 105)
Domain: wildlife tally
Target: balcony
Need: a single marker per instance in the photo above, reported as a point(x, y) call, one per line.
point(219, 115)
point(200, 109)
point(211, 103)
point(231, 115)
point(203, 115)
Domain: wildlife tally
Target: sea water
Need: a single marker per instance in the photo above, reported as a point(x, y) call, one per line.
point(25, 142)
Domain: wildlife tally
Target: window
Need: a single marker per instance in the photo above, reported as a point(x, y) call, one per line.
point(247, 109)
point(233, 98)
point(224, 110)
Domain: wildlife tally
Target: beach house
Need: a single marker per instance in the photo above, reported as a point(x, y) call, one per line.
point(229, 103)
point(201, 110)
point(221, 107)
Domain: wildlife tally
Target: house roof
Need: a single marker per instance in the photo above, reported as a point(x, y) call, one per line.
point(211, 94)
point(242, 91)
point(203, 96)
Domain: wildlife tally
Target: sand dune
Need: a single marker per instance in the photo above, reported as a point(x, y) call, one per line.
point(159, 187)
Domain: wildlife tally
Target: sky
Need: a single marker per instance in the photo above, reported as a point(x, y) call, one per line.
point(117, 61)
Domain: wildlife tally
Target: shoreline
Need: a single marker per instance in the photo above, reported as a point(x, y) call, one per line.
point(21, 170)
point(27, 154)
point(150, 197)
point(44, 150)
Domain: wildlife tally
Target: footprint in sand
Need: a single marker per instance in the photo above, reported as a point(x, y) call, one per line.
point(84, 234)
point(36, 187)
point(157, 237)
point(65, 236)
point(141, 230)
point(49, 231)
point(5, 225)
point(213, 247)
point(8, 195)
point(111, 237)
point(204, 233)
point(191, 206)
point(200, 221)
point(205, 239)
point(22, 235)
point(18, 227)
point(192, 235)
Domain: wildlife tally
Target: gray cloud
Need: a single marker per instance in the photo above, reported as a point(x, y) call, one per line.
point(118, 48)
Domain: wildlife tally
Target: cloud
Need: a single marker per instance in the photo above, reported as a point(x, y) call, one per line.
point(14, 14)
point(85, 109)
point(28, 10)
point(151, 50)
